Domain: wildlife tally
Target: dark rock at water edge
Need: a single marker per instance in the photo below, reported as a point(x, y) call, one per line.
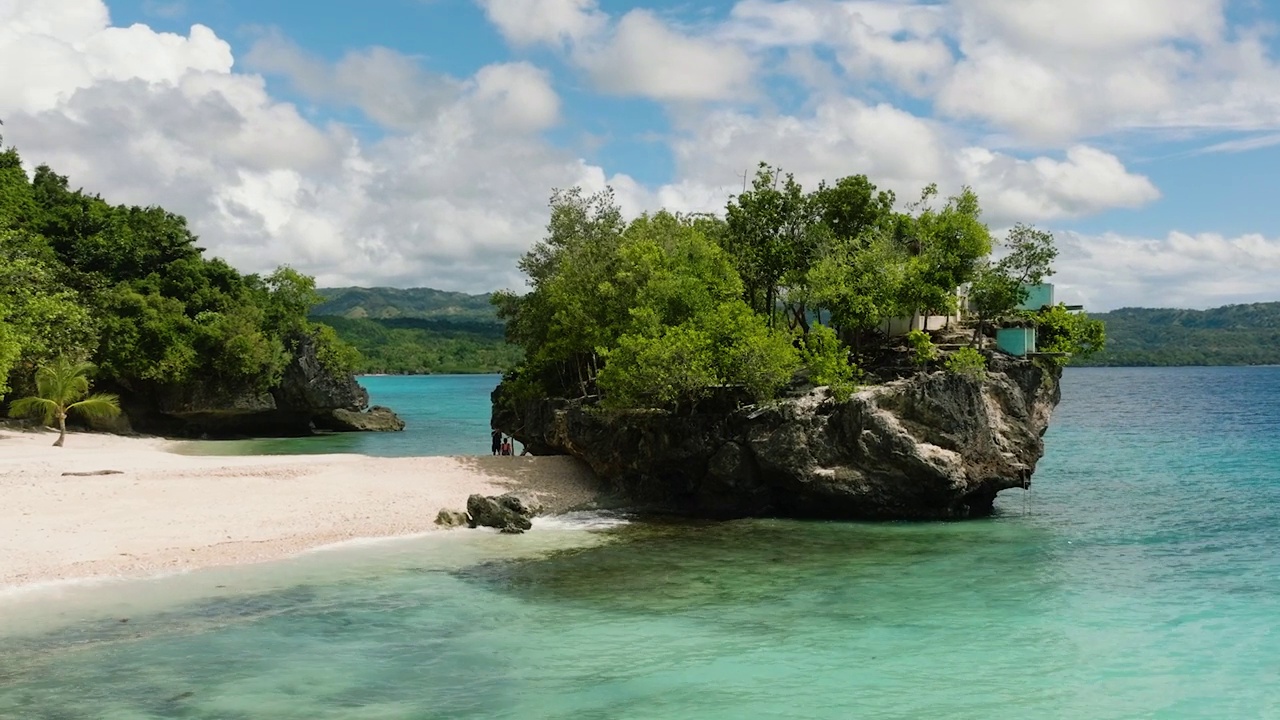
point(375, 419)
point(930, 446)
point(307, 397)
point(508, 513)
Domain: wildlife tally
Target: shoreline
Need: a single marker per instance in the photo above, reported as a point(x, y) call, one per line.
point(164, 512)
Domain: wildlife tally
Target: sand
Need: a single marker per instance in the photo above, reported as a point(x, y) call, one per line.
point(166, 512)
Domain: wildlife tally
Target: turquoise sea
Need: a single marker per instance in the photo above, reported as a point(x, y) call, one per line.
point(1139, 578)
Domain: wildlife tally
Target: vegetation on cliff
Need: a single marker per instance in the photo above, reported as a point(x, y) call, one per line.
point(667, 310)
point(128, 289)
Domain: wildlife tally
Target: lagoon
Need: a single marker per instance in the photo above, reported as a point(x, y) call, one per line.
point(1137, 578)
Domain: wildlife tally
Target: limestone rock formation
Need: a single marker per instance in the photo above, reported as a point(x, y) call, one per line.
point(309, 396)
point(376, 419)
point(929, 446)
point(508, 513)
point(451, 518)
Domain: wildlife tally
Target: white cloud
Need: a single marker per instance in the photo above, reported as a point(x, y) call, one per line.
point(450, 200)
point(846, 136)
point(456, 189)
point(390, 88)
point(1045, 72)
point(1109, 271)
point(1256, 142)
point(873, 39)
point(553, 22)
point(646, 57)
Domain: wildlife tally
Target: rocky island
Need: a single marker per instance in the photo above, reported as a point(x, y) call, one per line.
point(817, 355)
point(930, 446)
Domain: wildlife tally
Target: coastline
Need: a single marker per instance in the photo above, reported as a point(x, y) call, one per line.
point(165, 513)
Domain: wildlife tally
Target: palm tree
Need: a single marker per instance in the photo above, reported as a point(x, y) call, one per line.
point(60, 389)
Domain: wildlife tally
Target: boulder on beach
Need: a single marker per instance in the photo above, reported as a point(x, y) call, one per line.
point(452, 518)
point(507, 513)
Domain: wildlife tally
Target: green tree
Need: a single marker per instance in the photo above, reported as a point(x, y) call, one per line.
point(998, 289)
point(1062, 331)
point(63, 388)
point(771, 236)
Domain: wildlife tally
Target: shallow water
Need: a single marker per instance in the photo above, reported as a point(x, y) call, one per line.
point(1138, 578)
point(443, 414)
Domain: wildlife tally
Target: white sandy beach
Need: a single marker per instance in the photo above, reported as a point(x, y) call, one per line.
point(168, 512)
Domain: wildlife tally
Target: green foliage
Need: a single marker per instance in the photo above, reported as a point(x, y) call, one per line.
point(1000, 288)
point(412, 346)
point(1075, 333)
point(651, 313)
point(827, 360)
point(1230, 335)
point(335, 354)
point(62, 387)
point(967, 362)
point(128, 288)
point(922, 347)
point(665, 371)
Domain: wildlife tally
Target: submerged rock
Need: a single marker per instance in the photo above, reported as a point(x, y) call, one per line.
point(508, 513)
point(375, 419)
point(930, 446)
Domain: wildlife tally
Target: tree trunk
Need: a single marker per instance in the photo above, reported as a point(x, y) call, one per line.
point(62, 429)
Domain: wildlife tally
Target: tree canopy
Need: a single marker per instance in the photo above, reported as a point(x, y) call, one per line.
point(661, 311)
point(128, 289)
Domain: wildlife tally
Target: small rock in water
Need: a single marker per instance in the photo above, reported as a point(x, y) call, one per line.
point(451, 518)
point(511, 530)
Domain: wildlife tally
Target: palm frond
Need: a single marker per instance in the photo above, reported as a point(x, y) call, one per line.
point(63, 381)
point(97, 406)
point(40, 408)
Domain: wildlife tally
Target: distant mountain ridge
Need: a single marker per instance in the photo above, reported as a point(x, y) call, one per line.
point(1229, 335)
point(375, 319)
point(384, 303)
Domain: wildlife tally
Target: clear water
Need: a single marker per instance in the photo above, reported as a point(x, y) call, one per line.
point(1140, 578)
point(443, 414)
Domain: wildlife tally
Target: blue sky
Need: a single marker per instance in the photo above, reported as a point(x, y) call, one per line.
point(414, 142)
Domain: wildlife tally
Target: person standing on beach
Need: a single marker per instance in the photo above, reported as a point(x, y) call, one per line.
point(496, 447)
point(506, 446)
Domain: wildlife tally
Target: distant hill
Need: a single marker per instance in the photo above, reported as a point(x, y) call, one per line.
point(1230, 335)
point(418, 330)
point(424, 303)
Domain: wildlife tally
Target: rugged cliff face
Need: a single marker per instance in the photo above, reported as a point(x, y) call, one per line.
point(926, 447)
point(308, 397)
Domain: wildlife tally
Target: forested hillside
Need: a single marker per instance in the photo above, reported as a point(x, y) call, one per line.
point(382, 303)
point(1230, 335)
point(418, 330)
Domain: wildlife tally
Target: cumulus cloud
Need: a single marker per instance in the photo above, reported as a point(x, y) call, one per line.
point(554, 22)
point(1043, 71)
point(1108, 271)
point(847, 135)
point(450, 198)
point(451, 186)
point(646, 57)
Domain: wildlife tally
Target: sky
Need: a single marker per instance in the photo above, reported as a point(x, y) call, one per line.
point(415, 143)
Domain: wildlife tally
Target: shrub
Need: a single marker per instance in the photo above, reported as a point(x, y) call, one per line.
point(923, 348)
point(967, 362)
